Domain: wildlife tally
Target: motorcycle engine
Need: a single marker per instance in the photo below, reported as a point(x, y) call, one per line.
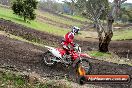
point(67, 59)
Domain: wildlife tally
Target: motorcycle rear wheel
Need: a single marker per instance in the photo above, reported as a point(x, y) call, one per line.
point(48, 59)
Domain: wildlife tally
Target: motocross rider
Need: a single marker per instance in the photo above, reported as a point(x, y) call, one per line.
point(68, 39)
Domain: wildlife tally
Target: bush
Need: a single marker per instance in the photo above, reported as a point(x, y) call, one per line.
point(25, 8)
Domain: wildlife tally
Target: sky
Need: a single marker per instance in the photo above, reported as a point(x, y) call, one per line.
point(128, 1)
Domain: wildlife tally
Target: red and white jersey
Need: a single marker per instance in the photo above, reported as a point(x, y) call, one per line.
point(69, 38)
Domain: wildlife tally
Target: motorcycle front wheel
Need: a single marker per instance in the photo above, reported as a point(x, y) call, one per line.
point(48, 59)
point(83, 67)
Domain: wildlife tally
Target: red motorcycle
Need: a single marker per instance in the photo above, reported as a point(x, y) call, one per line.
point(77, 59)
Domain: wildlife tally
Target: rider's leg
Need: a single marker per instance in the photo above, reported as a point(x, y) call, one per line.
point(66, 48)
point(67, 54)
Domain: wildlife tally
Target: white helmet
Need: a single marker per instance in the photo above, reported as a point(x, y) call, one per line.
point(75, 29)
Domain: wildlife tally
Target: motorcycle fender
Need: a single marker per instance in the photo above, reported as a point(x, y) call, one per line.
point(77, 60)
point(54, 51)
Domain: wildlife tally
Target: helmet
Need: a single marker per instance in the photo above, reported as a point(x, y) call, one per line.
point(75, 29)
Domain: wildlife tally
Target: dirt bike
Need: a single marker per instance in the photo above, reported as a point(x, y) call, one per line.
point(77, 59)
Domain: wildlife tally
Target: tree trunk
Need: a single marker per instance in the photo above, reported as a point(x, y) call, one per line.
point(104, 42)
point(104, 34)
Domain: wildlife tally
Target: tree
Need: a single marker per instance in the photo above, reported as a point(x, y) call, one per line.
point(130, 15)
point(72, 5)
point(25, 8)
point(50, 5)
point(94, 10)
point(125, 14)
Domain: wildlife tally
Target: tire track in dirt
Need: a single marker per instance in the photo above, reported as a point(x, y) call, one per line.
point(119, 47)
point(65, 17)
point(122, 48)
point(54, 23)
point(31, 34)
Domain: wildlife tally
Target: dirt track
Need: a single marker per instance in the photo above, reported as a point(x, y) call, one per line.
point(26, 56)
point(122, 48)
point(119, 47)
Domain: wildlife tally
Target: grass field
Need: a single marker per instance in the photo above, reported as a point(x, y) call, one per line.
point(59, 19)
point(8, 15)
point(122, 35)
point(38, 25)
point(110, 57)
point(9, 79)
point(77, 17)
point(53, 29)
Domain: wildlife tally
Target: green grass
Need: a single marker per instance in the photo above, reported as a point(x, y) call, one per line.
point(110, 57)
point(59, 19)
point(76, 17)
point(99, 54)
point(122, 35)
point(9, 79)
point(8, 15)
point(40, 26)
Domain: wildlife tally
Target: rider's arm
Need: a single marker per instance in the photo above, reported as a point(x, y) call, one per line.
point(71, 40)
